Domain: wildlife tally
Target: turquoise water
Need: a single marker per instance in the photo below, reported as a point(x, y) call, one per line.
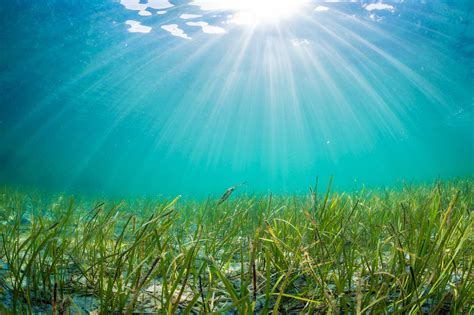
point(131, 98)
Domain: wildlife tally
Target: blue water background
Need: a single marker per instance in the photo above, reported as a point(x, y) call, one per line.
point(89, 108)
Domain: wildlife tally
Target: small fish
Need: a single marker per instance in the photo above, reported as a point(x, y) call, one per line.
point(228, 192)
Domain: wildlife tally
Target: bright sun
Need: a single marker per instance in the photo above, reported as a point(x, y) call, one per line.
point(253, 11)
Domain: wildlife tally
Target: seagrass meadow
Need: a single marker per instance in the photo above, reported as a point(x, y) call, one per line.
point(386, 251)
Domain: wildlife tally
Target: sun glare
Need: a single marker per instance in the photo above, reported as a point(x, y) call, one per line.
point(254, 11)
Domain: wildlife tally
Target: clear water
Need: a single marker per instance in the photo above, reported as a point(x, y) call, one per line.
point(371, 94)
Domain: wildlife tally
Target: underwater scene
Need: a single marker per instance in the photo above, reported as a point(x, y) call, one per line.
point(236, 157)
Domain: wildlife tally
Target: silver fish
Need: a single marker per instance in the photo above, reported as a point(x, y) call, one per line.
point(228, 192)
